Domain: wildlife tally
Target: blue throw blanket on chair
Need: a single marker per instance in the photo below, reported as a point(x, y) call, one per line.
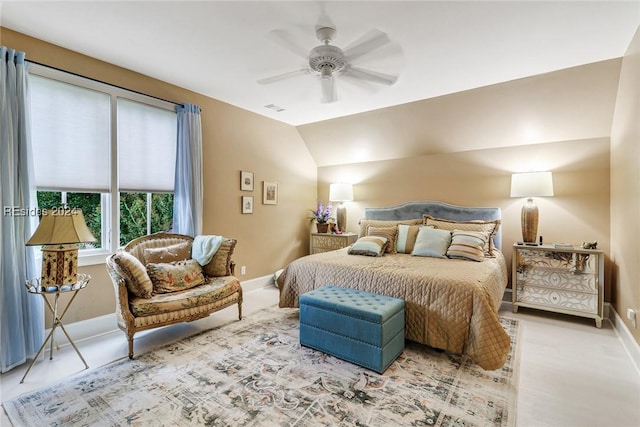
point(205, 247)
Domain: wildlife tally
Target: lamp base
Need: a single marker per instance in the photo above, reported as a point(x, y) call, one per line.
point(529, 220)
point(341, 217)
point(59, 265)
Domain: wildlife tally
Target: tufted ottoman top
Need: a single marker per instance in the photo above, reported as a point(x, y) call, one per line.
point(354, 303)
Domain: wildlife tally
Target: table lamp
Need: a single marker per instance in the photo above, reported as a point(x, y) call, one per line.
point(529, 185)
point(340, 193)
point(60, 230)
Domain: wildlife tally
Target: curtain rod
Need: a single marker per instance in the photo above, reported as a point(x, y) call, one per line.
point(103, 82)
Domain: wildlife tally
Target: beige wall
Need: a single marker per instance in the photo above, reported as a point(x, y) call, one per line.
point(233, 140)
point(578, 212)
point(625, 188)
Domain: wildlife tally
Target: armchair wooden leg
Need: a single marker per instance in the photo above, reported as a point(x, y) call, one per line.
point(130, 339)
point(239, 310)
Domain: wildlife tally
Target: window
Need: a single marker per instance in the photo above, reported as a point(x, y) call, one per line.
point(106, 150)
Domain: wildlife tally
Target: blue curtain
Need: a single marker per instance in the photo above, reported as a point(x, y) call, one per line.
point(187, 199)
point(21, 314)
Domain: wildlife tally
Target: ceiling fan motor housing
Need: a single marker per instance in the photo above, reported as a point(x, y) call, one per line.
point(326, 59)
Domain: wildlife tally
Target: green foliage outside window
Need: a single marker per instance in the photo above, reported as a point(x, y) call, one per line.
point(133, 212)
point(88, 202)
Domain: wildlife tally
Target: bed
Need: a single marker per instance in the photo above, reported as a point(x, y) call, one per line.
point(451, 304)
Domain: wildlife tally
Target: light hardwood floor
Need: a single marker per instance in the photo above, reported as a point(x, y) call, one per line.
point(571, 373)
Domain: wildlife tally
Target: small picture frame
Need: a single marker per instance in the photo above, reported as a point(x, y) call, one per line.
point(269, 193)
point(246, 181)
point(247, 204)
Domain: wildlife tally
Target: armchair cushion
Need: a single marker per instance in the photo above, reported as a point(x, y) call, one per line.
point(175, 276)
point(134, 273)
point(220, 263)
point(213, 290)
point(177, 252)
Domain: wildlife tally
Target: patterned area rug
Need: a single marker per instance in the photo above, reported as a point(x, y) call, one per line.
point(255, 373)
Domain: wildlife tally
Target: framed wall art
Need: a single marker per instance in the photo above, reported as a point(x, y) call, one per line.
point(270, 193)
point(247, 204)
point(246, 181)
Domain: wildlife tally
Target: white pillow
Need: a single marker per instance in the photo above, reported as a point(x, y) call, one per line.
point(432, 242)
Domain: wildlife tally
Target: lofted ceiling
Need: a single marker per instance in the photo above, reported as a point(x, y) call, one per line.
point(221, 49)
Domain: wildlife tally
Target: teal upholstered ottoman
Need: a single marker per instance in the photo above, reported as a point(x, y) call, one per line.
point(359, 327)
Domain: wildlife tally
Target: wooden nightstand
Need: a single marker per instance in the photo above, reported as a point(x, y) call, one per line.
point(324, 242)
point(563, 280)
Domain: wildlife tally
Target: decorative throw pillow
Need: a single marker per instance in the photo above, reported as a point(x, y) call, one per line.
point(219, 265)
point(175, 276)
point(467, 245)
point(134, 273)
point(369, 246)
point(388, 232)
point(432, 242)
point(365, 223)
point(406, 238)
point(177, 252)
point(484, 226)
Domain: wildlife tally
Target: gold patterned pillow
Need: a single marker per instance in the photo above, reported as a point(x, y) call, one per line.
point(365, 223)
point(177, 252)
point(483, 226)
point(175, 276)
point(220, 264)
point(134, 273)
point(389, 232)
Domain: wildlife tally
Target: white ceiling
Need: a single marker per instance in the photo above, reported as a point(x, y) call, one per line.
point(220, 49)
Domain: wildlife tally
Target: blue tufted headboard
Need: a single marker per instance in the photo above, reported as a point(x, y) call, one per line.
point(413, 210)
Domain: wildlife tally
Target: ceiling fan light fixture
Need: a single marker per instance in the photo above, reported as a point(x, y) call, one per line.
point(326, 71)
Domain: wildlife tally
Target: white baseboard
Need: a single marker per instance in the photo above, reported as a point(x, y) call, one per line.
point(257, 283)
point(628, 342)
point(101, 325)
point(84, 329)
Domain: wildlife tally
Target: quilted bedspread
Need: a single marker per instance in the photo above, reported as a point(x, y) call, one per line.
point(450, 304)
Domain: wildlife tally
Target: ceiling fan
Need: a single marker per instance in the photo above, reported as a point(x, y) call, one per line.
point(329, 62)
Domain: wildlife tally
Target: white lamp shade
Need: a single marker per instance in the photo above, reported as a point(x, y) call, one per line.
point(341, 192)
point(532, 184)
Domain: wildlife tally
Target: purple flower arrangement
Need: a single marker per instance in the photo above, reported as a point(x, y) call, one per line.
point(322, 213)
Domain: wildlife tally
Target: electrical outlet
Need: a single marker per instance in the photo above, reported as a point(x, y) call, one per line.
point(631, 315)
point(243, 270)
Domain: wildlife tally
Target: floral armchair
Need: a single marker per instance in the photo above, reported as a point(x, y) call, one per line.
point(157, 283)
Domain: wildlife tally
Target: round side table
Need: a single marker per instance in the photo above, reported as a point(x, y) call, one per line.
point(34, 287)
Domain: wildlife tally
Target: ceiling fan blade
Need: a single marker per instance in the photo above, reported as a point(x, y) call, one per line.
point(372, 76)
point(285, 40)
point(283, 76)
point(365, 85)
point(365, 44)
point(329, 91)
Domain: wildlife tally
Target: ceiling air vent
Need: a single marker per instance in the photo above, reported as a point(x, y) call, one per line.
point(274, 108)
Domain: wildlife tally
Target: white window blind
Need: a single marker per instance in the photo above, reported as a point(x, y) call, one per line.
point(70, 136)
point(147, 138)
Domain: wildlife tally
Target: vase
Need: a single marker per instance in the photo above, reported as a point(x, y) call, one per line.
point(322, 227)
